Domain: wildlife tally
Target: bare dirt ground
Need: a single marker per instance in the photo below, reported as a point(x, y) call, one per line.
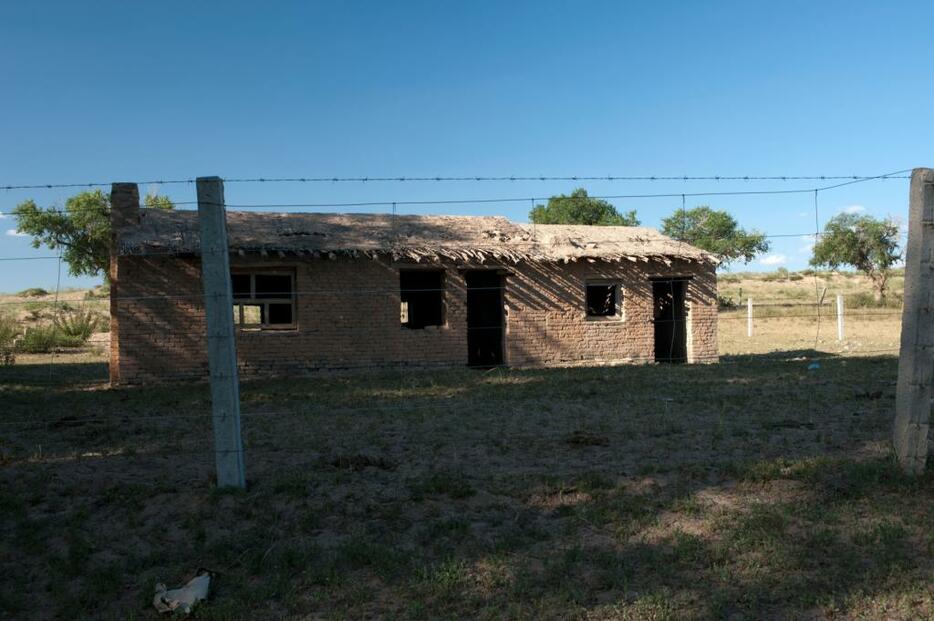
point(758, 488)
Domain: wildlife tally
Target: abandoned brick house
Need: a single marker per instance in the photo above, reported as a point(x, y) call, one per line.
point(327, 291)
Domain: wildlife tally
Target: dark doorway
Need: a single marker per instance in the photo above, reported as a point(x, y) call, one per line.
point(484, 318)
point(670, 318)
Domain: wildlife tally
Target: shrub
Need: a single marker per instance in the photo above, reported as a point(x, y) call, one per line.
point(98, 292)
point(9, 330)
point(43, 339)
point(865, 299)
point(79, 325)
point(33, 292)
point(37, 340)
point(726, 302)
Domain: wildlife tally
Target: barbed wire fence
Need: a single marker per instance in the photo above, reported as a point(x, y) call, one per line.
point(41, 426)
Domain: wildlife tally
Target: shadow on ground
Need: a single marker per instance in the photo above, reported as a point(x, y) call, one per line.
point(762, 487)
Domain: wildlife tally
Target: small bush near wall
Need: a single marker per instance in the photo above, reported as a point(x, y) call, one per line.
point(46, 338)
point(9, 330)
point(37, 340)
point(78, 325)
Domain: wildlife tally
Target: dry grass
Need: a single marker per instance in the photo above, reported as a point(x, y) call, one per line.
point(757, 488)
point(765, 288)
point(31, 308)
point(785, 317)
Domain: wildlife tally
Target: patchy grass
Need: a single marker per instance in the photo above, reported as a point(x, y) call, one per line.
point(758, 489)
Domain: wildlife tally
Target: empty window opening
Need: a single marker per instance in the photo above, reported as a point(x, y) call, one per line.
point(263, 300)
point(422, 296)
point(603, 299)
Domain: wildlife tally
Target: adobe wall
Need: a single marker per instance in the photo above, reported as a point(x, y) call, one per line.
point(347, 316)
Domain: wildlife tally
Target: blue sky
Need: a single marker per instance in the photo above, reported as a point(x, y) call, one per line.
point(109, 91)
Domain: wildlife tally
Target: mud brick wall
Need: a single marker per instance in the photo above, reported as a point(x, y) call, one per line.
point(547, 322)
point(347, 315)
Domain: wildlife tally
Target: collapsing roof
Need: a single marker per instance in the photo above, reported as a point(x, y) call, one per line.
point(420, 238)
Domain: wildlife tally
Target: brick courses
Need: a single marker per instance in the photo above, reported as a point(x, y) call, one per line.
point(347, 316)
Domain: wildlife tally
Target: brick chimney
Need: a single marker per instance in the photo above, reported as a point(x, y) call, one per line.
point(124, 205)
point(124, 212)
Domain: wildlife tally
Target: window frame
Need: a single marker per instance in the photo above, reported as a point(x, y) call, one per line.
point(442, 273)
point(618, 297)
point(240, 303)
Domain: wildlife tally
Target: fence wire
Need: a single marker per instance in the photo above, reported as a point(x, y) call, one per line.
point(26, 436)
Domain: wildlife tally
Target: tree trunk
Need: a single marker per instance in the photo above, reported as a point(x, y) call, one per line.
point(879, 282)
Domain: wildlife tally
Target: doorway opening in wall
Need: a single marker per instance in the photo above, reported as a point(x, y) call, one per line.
point(484, 318)
point(670, 319)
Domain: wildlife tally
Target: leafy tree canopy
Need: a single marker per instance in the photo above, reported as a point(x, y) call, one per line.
point(81, 230)
point(157, 201)
point(717, 232)
point(866, 243)
point(578, 208)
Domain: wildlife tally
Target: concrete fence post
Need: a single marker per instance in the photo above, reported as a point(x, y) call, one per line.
point(749, 317)
point(916, 358)
point(222, 351)
point(839, 317)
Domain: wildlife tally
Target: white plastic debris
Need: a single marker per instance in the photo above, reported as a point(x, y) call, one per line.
point(185, 598)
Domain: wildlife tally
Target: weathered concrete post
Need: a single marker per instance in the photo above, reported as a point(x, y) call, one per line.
point(749, 317)
point(839, 317)
point(916, 359)
point(222, 352)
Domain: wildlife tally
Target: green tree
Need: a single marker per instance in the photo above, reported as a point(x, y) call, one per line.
point(81, 230)
point(866, 243)
point(158, 201)
point(578, 208)
point(717, 232)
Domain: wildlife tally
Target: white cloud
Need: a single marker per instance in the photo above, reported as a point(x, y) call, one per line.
point(773, 259)
point(853, 209)
point(808, 246)
point(15, 233)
